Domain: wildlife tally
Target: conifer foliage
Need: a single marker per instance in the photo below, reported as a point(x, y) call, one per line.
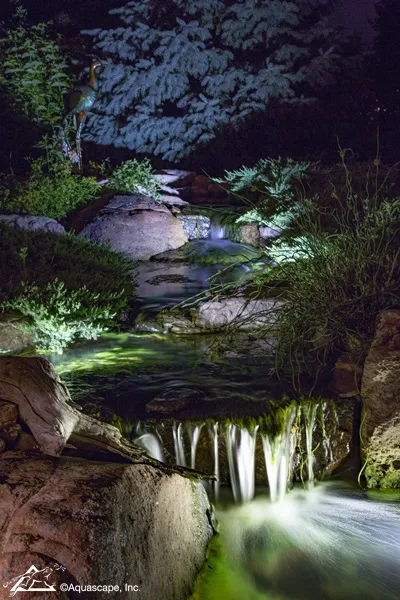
point(179, 72)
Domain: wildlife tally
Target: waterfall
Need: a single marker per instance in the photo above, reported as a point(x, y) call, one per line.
point(241, 447)
point(217, 231)
point(152, 443)
point(194, 435)
point(310, 413)
point(179, 445)
point(278, 457)
point(213, 431)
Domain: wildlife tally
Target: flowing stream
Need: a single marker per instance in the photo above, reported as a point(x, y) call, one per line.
point(327, 543)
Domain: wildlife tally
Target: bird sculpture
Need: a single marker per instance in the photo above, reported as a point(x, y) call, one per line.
point(79, 101)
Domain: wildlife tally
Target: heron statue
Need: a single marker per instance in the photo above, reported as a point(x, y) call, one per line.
point(79, 102)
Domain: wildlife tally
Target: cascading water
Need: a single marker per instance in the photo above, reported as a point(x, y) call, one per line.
point(310, 412)
point(217, 231)
point(194, 435)
point(241, 448)
point(152, 443)
point(179, 445)
point(278, 452)
point(279, 445)
point(213, 431)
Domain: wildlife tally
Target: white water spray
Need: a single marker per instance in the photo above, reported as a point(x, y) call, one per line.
point(194, 435)
point(278, 451)
point(241, 447)
point(179, 445)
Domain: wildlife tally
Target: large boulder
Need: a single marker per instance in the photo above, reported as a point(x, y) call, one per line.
point(380, 393)
point(99, 523)
point(13, 338)
point(137, 227)
point(33, 223)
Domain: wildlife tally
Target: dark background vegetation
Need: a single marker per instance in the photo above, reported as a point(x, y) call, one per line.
point(361, 100)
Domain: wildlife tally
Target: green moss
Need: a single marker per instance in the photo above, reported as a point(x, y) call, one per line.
point(220, 580)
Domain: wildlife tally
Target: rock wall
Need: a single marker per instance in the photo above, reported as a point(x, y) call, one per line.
point(380, 392)
point(104, 523)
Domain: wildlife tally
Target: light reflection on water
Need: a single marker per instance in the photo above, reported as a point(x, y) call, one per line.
point(323, 544)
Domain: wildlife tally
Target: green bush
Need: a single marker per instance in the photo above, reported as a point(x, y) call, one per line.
point(53, 194)
point(337, 282)
point(136, 177)
point(57, 316)
point(33, 72)
point(66, 286)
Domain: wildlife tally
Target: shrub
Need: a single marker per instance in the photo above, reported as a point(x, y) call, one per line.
point(33, 72)
point(58, 317)
point(337, 283)
point(66, 286)
point(53, 194)
point(136, 177)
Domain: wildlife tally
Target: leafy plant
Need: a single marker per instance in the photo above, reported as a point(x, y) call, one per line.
point(268, 187)
point(57, 316)
point(33, 72)
point(136, 177)
point(337, 283)
point(67, 287)
point(53, 194)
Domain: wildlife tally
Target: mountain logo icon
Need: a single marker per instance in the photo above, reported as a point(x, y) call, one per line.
point(33, 580)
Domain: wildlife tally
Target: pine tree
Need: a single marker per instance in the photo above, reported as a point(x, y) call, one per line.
point(179, 72)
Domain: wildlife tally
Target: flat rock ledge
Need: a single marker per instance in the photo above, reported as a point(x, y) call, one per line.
point(86, 507)
point(217, 315)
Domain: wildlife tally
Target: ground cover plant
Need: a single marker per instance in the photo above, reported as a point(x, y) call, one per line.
point(66, 287)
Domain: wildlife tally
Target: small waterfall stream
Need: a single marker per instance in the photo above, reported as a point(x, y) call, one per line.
point(217, 231)
point(279, 443)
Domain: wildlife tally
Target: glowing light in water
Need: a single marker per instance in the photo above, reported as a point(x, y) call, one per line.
point(194, 435)
point(179, 445)
point(241, 448)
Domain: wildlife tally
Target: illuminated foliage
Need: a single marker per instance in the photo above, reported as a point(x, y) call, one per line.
point(177, 74)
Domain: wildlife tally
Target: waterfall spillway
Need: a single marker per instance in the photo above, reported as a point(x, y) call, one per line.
point(194, 435)
point(217, 231)
point(213, 430)
point(310, 415)
point(179, 445)
point(241, 448)
point(276, 445)
point(278, 452)
point(153, 444)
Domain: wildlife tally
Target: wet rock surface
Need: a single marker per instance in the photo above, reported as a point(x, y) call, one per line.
point(380, 392)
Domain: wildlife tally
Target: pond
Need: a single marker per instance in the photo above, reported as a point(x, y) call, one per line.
point(283, 535)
